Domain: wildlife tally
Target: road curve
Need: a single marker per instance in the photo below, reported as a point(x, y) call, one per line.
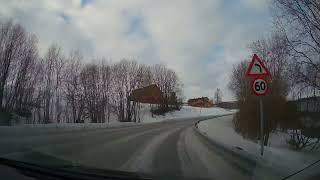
point(167, 149)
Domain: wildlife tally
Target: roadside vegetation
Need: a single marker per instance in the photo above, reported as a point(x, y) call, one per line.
point(62, 87)
point(291, 52)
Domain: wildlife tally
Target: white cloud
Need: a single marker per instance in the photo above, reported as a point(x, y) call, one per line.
point(181, 34)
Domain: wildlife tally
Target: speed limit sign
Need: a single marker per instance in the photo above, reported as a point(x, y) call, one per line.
point(259, 71)
point(260, 87)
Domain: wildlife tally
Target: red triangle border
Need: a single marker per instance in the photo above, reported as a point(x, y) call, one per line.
point(256, 57)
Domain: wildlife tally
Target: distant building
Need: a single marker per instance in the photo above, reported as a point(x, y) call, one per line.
point(149, 94)
point(229, 105)
point(200, 102)
point(309, 104)
point(310, 117)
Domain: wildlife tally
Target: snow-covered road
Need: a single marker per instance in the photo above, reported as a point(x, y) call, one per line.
point(165, 149)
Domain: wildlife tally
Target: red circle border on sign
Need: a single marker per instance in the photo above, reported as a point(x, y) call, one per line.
point(252, 86)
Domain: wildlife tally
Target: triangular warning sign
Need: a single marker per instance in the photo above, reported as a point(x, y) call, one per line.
point(257, 68)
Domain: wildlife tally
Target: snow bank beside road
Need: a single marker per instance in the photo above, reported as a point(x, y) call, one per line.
point(185, 112)
point(145, 116)
point(277, 154)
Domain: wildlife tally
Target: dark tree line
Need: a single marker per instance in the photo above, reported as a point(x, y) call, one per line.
point(56, 88)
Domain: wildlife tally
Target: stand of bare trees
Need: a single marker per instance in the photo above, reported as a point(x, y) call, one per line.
point(274, 51)
point(128, 75)
point(56, 88)
point(168, 82)
point(292, 54)
point(18, 61)
point(299, 21)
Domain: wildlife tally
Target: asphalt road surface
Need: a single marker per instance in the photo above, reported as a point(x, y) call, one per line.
point(165, 149)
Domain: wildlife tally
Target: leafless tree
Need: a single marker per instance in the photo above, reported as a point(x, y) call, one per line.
point(105, 77)
point(55, 88)
point(300, 22)
point(239, 84)
point(18, 59)
point(12, 42)
point(23, 83)
point(218, 96)
point(273, 51)
point(52, 72)
point(127, 76)
point(168, 82)
point(90, 82)
point(73, 91)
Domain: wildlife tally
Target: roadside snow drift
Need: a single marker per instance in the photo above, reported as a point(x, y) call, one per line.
point(145, 117)
point(185, 112)
point(277, 155)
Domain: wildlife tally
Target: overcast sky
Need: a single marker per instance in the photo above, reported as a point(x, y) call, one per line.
point(199, 39)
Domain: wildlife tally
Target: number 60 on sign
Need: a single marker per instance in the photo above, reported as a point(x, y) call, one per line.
point(260, 87)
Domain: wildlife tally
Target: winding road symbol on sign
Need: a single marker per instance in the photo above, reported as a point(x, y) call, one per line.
point(258, 65)
point(257, 68)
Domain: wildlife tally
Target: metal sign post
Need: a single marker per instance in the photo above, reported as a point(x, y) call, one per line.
point(259, 72)
point(260, 88)
point(261, 126)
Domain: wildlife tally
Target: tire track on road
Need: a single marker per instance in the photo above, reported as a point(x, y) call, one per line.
point(215, 165)
point(166, 161)
point(21, 144)
point(107, 151)
point(143, 160)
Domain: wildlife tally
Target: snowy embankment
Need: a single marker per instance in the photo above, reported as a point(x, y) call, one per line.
point(185, 112)
point(277, 155)
point(145, 117)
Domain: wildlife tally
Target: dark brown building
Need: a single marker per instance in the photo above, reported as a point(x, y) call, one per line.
point(149, 94)
point(229, 105)
point(200, 102)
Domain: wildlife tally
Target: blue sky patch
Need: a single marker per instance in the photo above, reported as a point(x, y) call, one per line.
point(65, 17)
point(85, 2)
point(136, 27)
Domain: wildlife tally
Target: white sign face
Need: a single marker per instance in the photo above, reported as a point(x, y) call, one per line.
point(257, 68)
point(260, 87)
